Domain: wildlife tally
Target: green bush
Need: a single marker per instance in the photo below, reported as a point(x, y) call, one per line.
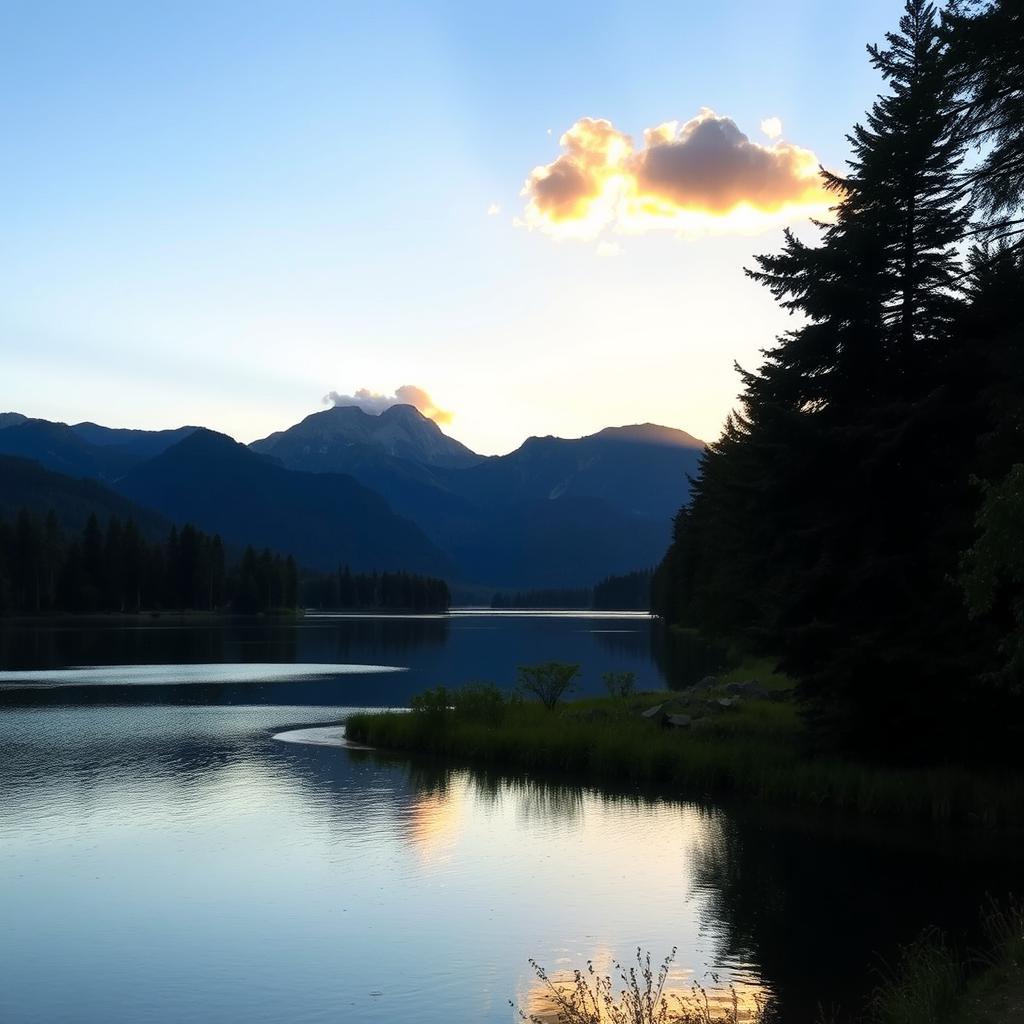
point(619, 684)
point(480, 702)
point(549, 682)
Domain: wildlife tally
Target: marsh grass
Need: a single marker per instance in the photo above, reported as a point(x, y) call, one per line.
point(639, 996)
point(921, 986)
point(753, 749)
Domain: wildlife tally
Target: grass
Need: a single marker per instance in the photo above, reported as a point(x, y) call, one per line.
point(928, 983)
point(754, 749)
point(640, 995)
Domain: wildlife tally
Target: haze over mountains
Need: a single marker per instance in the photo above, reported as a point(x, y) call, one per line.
point(388, 491)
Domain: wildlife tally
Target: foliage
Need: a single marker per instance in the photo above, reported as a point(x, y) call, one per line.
point(480, 702)
point(992, 570)
point(433, 703)
point(639, 998)
point(922, 986)
point(828, 520)
point(346, 590)
point(549, 682)
point(629, 591)
point(45, 569)
point(757, 749)
point(985, 58)
point(619, 684)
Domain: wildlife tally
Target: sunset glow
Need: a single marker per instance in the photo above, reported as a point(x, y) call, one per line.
point(700, 176)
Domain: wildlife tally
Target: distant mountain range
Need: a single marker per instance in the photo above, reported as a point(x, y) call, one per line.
point(390, 491)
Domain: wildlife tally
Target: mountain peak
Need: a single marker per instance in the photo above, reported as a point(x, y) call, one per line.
point(329, 440)
point(650, 433)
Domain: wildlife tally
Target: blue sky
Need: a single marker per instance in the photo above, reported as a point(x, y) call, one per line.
point(216, 213)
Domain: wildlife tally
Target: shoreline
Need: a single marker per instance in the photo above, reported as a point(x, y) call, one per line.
point(696, 743)
point(320, 736)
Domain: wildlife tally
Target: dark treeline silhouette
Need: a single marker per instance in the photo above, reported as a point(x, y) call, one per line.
point(45, 569)
point(394, 591)
point(629, 592)
point(861, 515)
point(564, 598)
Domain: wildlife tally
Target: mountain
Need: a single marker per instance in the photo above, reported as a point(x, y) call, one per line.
point(323, 519)
point(26, 484)
point(336, 439)
point(641, 470)
point(85, 449)
point(394, 492)
point(136, 444)
point(57, 447)
point(555, 512)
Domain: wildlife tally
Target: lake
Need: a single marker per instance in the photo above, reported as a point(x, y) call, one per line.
point(164, 858)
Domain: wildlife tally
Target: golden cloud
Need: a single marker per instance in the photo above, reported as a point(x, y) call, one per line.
point(375, 403)
point(702, 174)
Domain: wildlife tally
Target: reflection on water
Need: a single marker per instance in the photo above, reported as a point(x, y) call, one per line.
point(165, 859)
point(175, 863)
point(463, 647)
point(178, 675)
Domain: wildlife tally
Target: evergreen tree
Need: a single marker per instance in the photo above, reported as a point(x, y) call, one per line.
point(812, 526)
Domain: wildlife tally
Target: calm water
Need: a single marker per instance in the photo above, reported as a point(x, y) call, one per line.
point(163, 858)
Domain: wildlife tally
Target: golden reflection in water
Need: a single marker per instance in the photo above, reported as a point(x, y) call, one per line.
point(434, 822)
point(688, 1001)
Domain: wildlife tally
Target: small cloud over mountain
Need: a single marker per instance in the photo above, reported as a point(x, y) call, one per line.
point(699, 174)
point(375, 403)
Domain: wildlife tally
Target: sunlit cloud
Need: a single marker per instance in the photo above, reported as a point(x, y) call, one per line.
point(375, 403)
point(493, 210)
point(695, 176)
point(772, 127)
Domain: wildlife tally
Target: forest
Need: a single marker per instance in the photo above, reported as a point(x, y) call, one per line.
point(45, 569)
point(860, 518)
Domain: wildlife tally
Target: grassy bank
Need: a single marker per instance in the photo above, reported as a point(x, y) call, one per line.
point(753, 747)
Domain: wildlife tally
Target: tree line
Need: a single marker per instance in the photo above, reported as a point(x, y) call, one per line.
point(861, 515)
point(399, 591)
point(45, 569)
point(629, 591)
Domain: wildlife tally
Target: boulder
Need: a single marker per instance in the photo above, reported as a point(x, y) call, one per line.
point(652, 712)
point(677, 721)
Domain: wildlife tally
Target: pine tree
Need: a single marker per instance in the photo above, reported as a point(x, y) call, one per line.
point(811, 524)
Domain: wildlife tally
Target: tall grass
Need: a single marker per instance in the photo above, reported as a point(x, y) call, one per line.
point(754, 749)
point(639, 996)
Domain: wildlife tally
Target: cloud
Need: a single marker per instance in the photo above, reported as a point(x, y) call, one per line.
point(493, 210)
point(375, 403)
point(772, 127)
point(608, 249)
point(702, 174)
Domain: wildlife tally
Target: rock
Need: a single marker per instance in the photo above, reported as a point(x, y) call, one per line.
point(748, 688)
point(727, 702)
point(652, 712)
point(706, 683)
point(677, 721)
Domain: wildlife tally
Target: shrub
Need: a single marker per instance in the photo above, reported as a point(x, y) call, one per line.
point(619, 684)
point(480, 702)
point(434, 702)
point(549, 682)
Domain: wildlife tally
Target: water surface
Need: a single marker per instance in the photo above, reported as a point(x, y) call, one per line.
point(163, 858)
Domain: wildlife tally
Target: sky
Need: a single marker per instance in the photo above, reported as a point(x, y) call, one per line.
point(537, 215)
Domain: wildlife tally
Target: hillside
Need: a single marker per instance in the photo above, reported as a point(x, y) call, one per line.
point(322, 519)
